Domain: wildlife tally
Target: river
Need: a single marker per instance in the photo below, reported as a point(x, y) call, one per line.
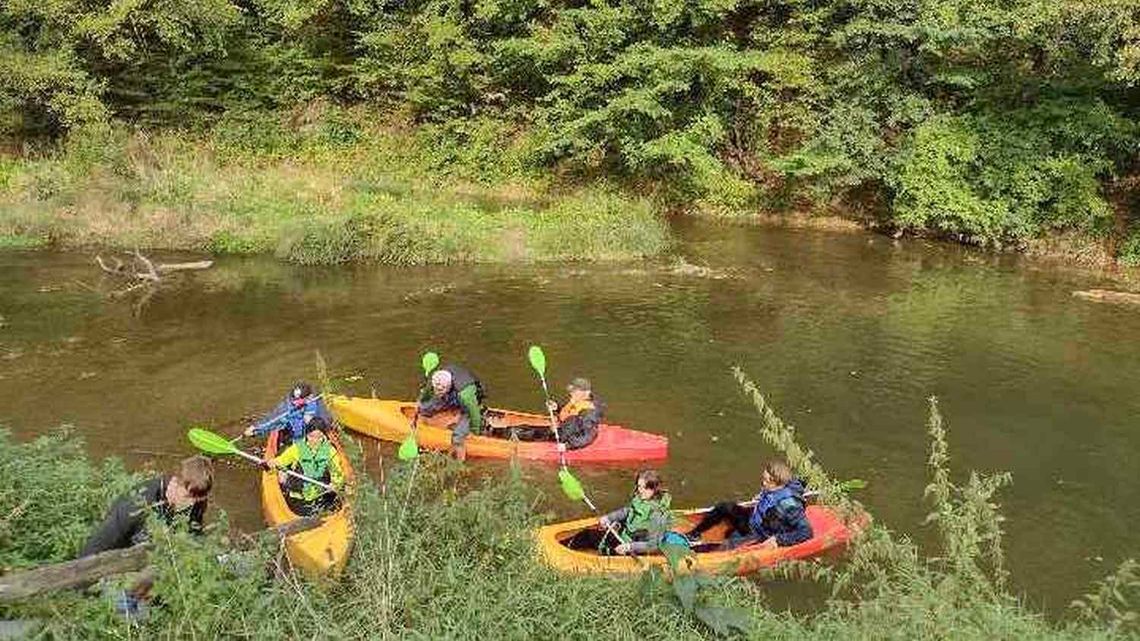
point(848, 334)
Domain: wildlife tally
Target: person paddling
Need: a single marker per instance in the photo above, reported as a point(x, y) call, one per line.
point(646, 519)
point(292, 415)
point(777, 519)
point(317, 459)
point(454, 387)
point(578, 419)
point(167, 497)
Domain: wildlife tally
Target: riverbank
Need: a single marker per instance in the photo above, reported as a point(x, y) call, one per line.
point(318, 186)
point(439, 554)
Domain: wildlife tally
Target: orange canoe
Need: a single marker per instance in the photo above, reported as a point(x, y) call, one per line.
point(830, 532)
point(390, 421)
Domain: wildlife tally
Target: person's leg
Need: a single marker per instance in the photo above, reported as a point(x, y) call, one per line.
point(741, 515)
point(720, 513)
point(459, 438)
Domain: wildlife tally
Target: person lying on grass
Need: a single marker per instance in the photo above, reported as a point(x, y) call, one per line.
point(777, 518)
point(644, 522)
point(315, 457)
point(168, 496)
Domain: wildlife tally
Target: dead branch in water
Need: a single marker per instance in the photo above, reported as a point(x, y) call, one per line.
point(143, 273)
point(1109, 296)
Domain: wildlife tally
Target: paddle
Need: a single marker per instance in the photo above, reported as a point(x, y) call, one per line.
point(212, 443)
point(571, 486)
point(410, 449)
point(537, 360)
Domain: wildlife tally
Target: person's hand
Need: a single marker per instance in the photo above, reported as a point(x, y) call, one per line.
point(271, 463)
point(248, 431)
point(769, 543)
point(551, 404)
point(622, 548)
point(561, 448)
point(604, 521)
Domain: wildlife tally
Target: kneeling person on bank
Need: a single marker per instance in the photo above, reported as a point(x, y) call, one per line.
point(168, 497)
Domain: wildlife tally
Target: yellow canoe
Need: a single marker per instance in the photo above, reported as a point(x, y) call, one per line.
point(323, 550)
point(830, 532)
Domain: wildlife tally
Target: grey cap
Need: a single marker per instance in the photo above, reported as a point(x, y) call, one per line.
point(580, 383)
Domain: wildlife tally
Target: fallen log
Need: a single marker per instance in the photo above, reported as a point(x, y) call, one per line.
point(1109, 296)
point(88, 570)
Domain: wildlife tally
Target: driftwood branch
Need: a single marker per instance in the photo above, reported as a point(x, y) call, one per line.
point(145, 269)
point(1109, 296)
point(85, 571)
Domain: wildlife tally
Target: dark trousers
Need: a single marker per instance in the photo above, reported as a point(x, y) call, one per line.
point(735, 514)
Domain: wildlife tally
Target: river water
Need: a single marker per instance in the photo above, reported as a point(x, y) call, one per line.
point(848, 334)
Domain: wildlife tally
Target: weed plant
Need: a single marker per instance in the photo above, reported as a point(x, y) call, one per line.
point(439, 555)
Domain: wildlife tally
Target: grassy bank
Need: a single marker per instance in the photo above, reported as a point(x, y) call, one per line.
point(440, 555)
point(316, 186)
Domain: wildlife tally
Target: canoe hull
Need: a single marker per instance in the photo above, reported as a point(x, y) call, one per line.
point(390, 421)
point(830, 534)
point(322, 551)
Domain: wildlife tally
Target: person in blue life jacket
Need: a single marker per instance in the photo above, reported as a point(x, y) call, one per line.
point(314, 456)
point(778, 517)
point(292, 415)
point(454, 387)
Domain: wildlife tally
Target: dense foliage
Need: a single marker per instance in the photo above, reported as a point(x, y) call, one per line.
point(441, 555)
point(992, 123)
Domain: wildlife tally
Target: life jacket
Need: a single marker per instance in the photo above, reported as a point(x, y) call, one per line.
point(574, 408)
point(771, 506)
point(648, 518)
point(315, 465)
point(462, 377)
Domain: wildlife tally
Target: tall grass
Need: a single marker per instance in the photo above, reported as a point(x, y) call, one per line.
point(440, 555)
point(322, 187)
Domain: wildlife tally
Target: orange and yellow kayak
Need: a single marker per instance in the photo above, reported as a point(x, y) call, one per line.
point(391, 421)
point(829, 529)
point(323, 550)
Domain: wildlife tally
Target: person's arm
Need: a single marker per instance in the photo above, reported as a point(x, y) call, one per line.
point(617, 516)
point(796, 528)
point(115, 532)
point(336, 473)
point(194, 523)
point(291, 455)
point(469, 399)
point(430, 404)
point(276, 419)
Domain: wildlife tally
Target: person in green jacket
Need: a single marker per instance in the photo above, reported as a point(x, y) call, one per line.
point(315, 457)
point(645, 520)
point(455, 388)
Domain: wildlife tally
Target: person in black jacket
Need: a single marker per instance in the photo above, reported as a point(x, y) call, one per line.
point(578, 419)
point(166, 496)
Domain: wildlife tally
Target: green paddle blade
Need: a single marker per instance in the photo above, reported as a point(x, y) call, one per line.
point(429, 362)
point(409, 449)
point(537, 359)
point(571, 487)
point(210, 442)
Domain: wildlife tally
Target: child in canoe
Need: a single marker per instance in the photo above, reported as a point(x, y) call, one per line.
point(643, 523)
point(315, 457)
point(777, 518)
point(292, 415)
